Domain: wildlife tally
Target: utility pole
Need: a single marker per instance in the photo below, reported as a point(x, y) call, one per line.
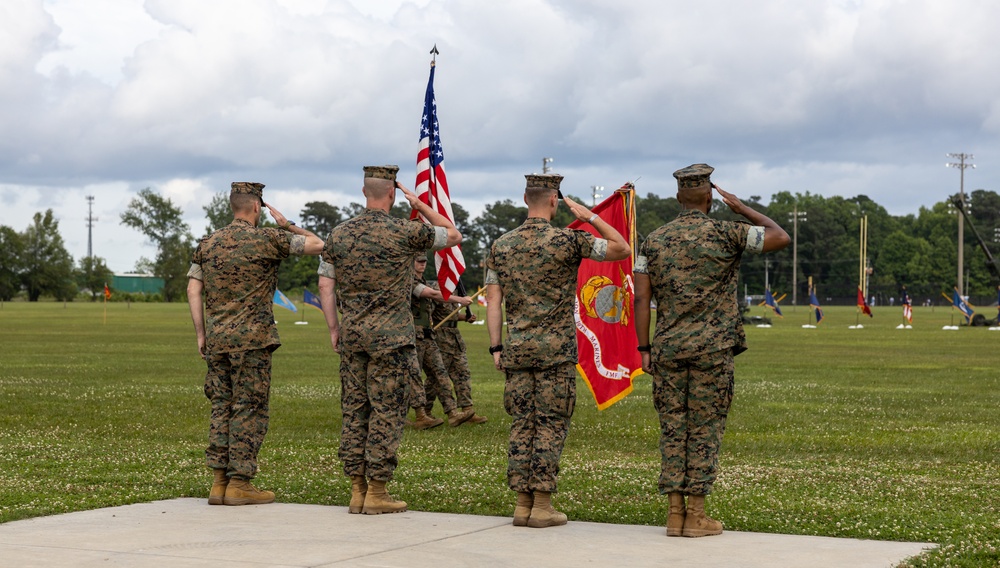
point(961, 165)
point(545, 165)
point(795, 217)
point(596, 193)
point(90, 226)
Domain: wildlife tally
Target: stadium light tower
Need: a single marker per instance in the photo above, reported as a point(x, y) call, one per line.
point(596, 192)
point(961, 165)
point(90, 226)
point(545, 165)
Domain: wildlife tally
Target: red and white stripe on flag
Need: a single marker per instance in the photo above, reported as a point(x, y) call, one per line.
point(432, 189)
point(605, 325)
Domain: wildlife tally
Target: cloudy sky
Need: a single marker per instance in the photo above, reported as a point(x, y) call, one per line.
point(833, 97)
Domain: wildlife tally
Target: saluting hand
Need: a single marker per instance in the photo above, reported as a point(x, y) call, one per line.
point(578, 210)
point(280, 219)
point(409, 195)
point(735, 205)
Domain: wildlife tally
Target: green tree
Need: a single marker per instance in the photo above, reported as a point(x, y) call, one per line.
point(498, 218)
point(163, 224)
point(219, 212)
point(92, 275)
point(47, 266)
point(11, 255)
point(320, 217)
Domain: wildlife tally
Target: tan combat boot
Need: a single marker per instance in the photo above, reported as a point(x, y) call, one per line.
point(242, 492)
point(543, 514)
point(696, 522)
point(219, 484)
point(476, 418)
point(675, 520)
point(359, 487)
point(458, 417)
point(423, 422)
point(523, 508)
point(378, 500)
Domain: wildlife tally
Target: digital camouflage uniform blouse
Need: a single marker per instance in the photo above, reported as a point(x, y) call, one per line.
point(693, 263)
point(536, 266)
point(239, 266)
point(370, 258)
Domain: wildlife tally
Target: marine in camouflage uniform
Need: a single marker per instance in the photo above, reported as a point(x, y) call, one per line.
point(453, 353)
point(438, 382)
point(690, 268)
point(236, 268)
point(367, 272)
point(533, 268)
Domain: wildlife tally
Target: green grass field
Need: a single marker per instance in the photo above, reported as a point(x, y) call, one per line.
point(874, 433)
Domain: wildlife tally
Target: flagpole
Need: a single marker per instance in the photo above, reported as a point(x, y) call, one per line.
point(809, 320)
point(458, 309)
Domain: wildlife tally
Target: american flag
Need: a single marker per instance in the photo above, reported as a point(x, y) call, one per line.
point(432, 189)
point(907, 308)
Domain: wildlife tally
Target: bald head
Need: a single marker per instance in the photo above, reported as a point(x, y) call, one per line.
point(538, 196)
point(695, 197)
point(377, 188)
point(242, 203)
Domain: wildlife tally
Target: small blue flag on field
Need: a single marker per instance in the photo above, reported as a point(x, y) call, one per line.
point(311, 299)
point(961, 305)
point(283, 301)
point(770, 302)
point(814, 304)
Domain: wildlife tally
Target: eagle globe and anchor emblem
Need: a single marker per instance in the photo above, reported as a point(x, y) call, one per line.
point(603, 300)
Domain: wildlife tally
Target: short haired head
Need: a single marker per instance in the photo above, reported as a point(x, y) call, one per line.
point(380, 180)
point(539, 187)
point(694, 183)
point(243, 195)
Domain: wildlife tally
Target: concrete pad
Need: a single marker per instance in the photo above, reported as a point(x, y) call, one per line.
point(189, 533)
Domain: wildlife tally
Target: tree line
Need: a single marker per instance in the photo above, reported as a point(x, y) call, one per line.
point(918, 251)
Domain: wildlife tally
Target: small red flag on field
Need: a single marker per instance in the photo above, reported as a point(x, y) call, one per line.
point(107, 292)
point(605, 326)
point(862, 304)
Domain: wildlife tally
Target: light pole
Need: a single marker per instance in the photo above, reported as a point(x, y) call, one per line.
point(795, 216)
point(961, 165)
point(90, 226)
point(545, 165)
point(596, 193)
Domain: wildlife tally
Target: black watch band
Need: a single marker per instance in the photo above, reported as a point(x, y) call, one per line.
point(643, 348)
point(496, 349)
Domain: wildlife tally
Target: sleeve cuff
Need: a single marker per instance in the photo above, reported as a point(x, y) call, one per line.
point(325, 269)
point(440, 238)
point(196, 273)
point(755, 240)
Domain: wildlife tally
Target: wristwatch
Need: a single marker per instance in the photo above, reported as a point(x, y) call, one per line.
point(644, 348)
point(289, 226)
point(496, 349)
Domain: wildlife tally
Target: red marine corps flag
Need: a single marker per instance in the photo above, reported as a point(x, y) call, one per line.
point(605, 328)
point(432, 187)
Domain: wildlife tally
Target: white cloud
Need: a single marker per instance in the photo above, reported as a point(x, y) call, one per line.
point(834, 97)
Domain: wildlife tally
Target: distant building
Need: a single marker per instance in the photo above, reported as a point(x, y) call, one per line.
point(136, 283)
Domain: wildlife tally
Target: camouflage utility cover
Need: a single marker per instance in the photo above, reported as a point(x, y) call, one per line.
point(239, 266)
point(536, 266)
